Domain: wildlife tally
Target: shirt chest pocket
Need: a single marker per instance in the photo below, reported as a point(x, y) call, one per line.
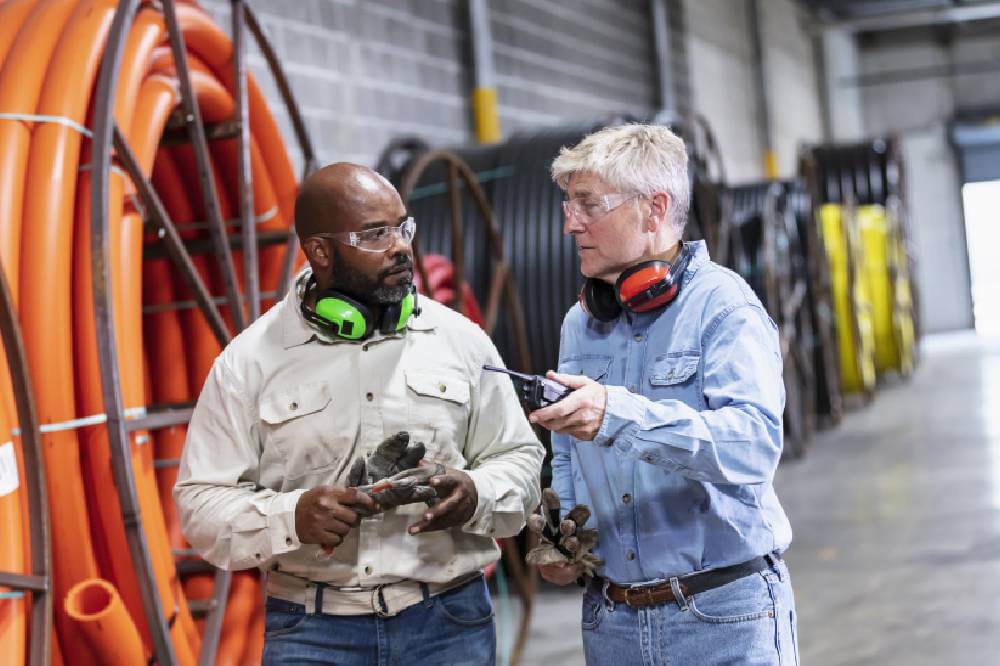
point(438, 413)
point(675, 375)
point(595, 366)
point(304, 427)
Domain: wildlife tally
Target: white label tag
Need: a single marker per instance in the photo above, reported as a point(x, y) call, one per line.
point(8, 469)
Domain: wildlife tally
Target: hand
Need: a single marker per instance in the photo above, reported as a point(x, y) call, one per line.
point(408, 487)
point(565, 543)
point(561, 573)
point(579, 414)
point(457, 503)
point(325, 515)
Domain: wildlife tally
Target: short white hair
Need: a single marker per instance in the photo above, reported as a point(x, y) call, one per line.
point(633, 158)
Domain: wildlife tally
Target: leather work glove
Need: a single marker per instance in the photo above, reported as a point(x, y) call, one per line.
point(390, 457)
point(563, 541)
point(391, 475)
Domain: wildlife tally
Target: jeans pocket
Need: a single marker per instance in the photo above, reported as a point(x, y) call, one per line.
point(469, 606)
point(282, 617)
point(592, 614)
point(744, 600)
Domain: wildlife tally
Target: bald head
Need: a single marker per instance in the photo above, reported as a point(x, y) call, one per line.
point(343, 197)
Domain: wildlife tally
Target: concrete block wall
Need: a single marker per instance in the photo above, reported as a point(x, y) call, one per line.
point(563, 60)
point(365, 71)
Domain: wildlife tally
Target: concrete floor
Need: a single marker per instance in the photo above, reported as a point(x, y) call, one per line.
point(896, 513)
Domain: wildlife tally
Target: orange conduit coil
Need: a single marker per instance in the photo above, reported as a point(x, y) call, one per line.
point(100, 616)
point(51, 52)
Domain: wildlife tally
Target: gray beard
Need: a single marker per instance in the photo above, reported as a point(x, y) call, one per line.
point(390, 295)
point(372, 292)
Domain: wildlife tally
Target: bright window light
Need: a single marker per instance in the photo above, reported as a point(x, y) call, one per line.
point(982, 233)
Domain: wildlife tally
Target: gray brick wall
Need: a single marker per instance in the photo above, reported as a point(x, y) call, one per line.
point(365, 71)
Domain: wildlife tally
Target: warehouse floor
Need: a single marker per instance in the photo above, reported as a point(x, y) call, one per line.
point(896, 555)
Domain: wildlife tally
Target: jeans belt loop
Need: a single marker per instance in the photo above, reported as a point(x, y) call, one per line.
point(675, 587)
point(319, 598)
point(773, 562)
point(609, 604)
point(378, 602)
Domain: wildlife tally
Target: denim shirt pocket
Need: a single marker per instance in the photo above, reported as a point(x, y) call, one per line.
point(595, 366)
point(675, 375)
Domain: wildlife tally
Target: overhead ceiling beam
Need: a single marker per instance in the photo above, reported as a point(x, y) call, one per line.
point(914, 19)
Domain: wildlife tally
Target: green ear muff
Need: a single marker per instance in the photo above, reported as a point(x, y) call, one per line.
point(347, 318)
point(343, 315)
point(406, 308)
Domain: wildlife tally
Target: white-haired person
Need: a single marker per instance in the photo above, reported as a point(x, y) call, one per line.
point(674, 431)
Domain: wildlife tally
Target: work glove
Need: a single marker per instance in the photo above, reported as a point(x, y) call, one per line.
point(563, 541)
point(391, 475)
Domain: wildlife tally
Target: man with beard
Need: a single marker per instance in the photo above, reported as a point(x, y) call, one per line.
point(283, 468)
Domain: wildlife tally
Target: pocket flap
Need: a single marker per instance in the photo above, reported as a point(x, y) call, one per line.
point(438, 385)
point(292, 403)
point(670, 370)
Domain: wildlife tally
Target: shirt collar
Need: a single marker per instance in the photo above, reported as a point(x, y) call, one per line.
point(699, 258)
point(296, 330)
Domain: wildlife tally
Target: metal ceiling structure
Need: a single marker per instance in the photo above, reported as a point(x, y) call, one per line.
point(878, 15)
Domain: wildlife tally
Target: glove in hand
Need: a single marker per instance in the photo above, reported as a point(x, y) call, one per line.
point(391, 474)
point(563, 541)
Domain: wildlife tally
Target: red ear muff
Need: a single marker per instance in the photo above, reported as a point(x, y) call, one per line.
point(646, 286)
point(641, 288)
point(598, 300)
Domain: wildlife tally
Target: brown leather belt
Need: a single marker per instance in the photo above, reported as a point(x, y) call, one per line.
point(690, 585)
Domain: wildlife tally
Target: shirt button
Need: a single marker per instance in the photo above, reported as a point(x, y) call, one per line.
point(257, 555)
point(293, 406)
point(369, 397)
point(364, 347)
point(629, 555)
point(626, 498)
point(638, 338)
point(288, 541)
point(442, 388)
point(368, 570)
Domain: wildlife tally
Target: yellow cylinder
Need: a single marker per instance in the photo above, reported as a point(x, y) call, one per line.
point(484, 110)
point(851, 299)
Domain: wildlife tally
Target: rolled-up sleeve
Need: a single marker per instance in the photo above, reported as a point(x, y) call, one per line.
point(738, 439)
point(504, 456)
point(226, 517)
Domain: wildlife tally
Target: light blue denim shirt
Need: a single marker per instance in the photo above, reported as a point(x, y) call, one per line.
point(679, 478)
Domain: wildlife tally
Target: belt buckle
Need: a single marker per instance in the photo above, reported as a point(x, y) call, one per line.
point(647, 589)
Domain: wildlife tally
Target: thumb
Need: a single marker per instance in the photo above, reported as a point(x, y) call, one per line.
point(572, 381)
point(356, 475)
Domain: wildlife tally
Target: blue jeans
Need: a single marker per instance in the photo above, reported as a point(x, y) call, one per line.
point(748, 621)
point(455, 628)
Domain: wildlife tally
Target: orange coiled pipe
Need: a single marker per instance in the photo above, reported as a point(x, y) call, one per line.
point(99, 615)
point(49, 54)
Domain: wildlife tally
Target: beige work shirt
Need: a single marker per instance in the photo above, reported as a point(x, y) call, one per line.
point(287, 408)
